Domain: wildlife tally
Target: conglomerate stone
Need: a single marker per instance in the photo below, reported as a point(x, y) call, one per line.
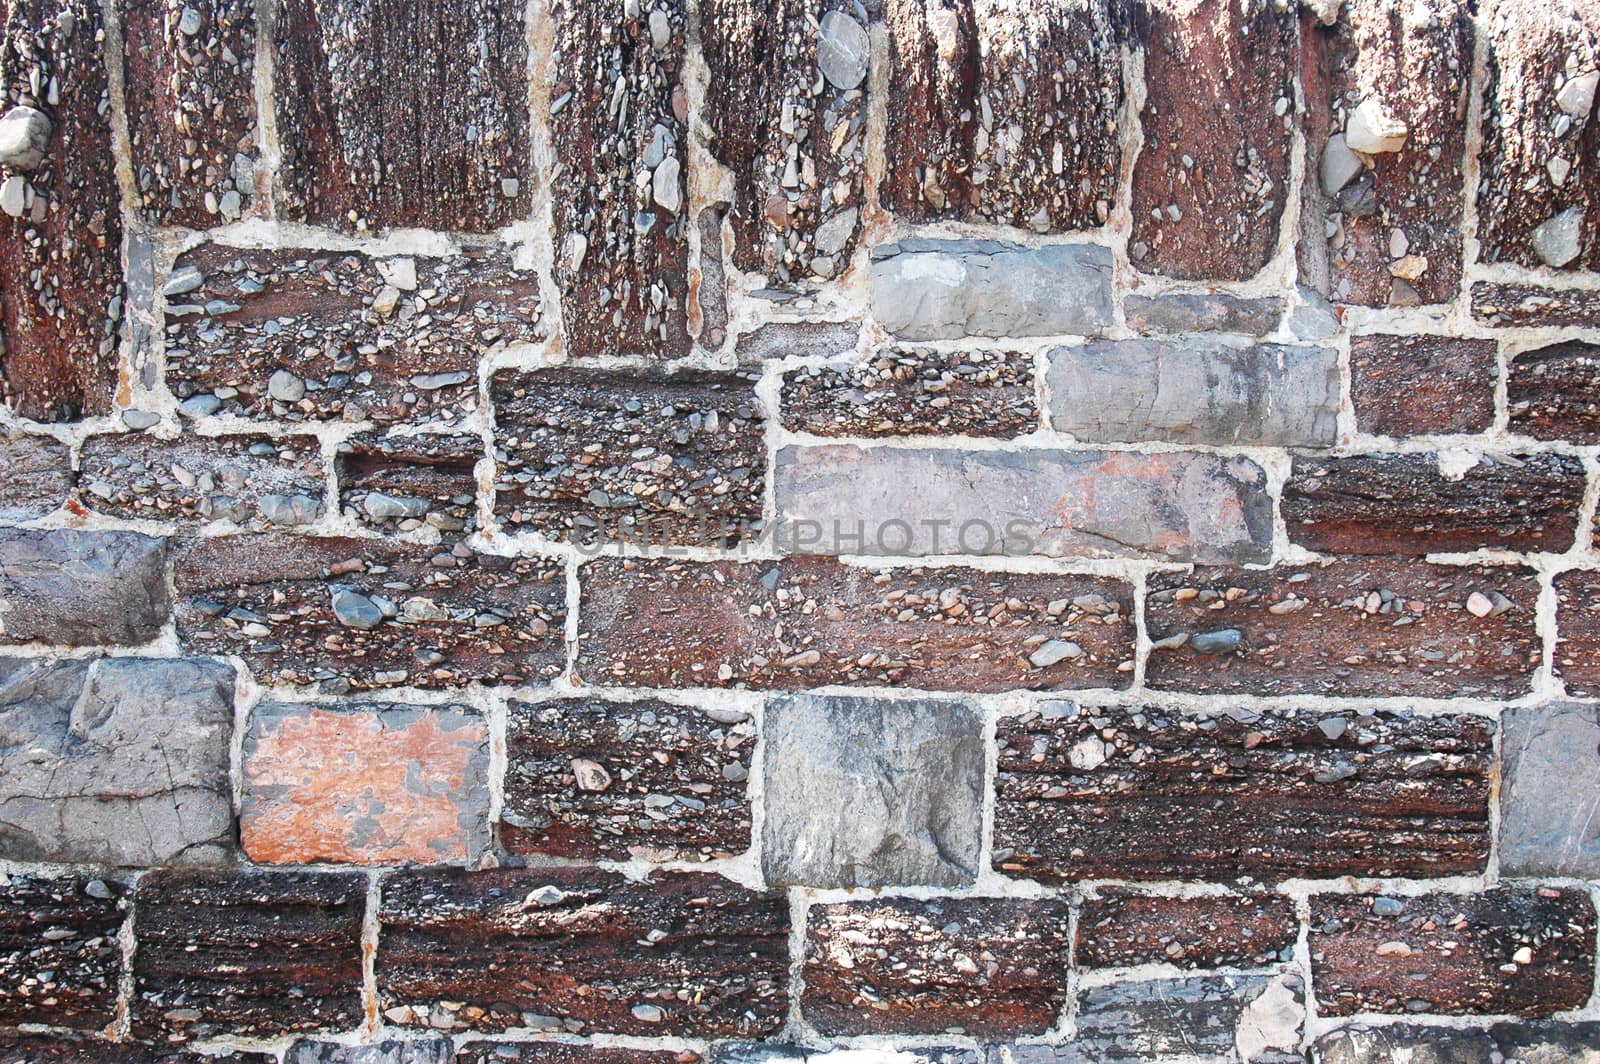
point(59, 954)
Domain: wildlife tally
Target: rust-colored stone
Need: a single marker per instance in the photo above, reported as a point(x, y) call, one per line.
point(35, 476)
point(903, 391)
point(1501, 303)
point(1554, 392)
point(400, 483)
point(1577, 653)
point(1417, 385)
point(1118, 929)
point(59, 954)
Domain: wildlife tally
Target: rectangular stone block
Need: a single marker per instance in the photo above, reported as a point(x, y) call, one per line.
point(401, 483)
point(1120, 929)
point(1150, 793)
point(304, 335)
point(1502, 303)
point(567, 1053)
point(618, 122)
point(1003, 113)
point(76, 1049)
point(872, 792)
point(189, 83)
point(1554, 392)
point(389, 1051)
point(255, 482)
point(119, 761)
point(1191, 312)
point(1525, 950)
point(560, 949)
point(905, 391)
point(364, 613)
point(809, 622)
point(1195, 390)
point(1538, 1041)
point(1418, 385)
point(35, 476)
point(601, 779)
point(983, 967)
point(656, 458)
point(81, 588)
point(926, 289)
point(59, 954)
point(1381, 627)
point(365, 783)
point(1577, 652)
point(1422, 503)
point(1219, 1017)
point(797, 339)
point(1551, 791)
point(247, 953)
point(847, 499)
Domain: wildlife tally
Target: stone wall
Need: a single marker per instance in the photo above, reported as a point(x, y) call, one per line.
point(949, 531)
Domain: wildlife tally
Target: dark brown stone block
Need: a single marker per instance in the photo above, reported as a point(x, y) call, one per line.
point(395, 115)
point(1384, 627)
point(1149, 793)
point(986, 967)
point(1416, 385)
point(1403, 504)
point(399, 483)
point(247, 953)
point(75, 1049)
point(1221, 90)
point(62, 255)
point(1554, 392)
point(807, 621)
point(687, 955)
point(593, 457)
point(1577, 654)
point(1119, 929)
point(35, 476)
point(367, 613)
point(191, 105)
point(1522, 950)
point(59, 954)
point(904, 391)
point(1004, 112)
point(1530, 304)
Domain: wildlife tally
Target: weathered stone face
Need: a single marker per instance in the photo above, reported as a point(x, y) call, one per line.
point(403, 483)
point(1239, 930)
point(59, 954)
point(1257, 1017)
point(35, 476)
point(1552, 756)
point(77, 1049)
point(1191, 312)
point(420, 1051)
point(1414, 385)
point(1500, 303)
point(81, 588)
point(1577, 652)
point(915, 392)
point(1554, 392)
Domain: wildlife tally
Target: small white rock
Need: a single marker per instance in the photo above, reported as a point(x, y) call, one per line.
point(1577, 95)
point(285, 387)
point(1556, 240)
point(1087, 754)
point(24, 138)
point(664, 186)
point(1479, 604)
point(1340, 165)
point(402, 273)
point(1372, 130)
point(842, 50)
point(13, 195)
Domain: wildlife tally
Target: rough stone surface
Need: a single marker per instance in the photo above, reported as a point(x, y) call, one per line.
point(560, 1053)
point(1219, 1017)
point(1525, 951)
point(1554, 392)
point(1551, 791)
point(76, 1049)
point(1577, 652)
point(599, 779)
point(1499, 303)
point(868, 792)
point(989, 968)
point(458, 617)
point(1416, 385)
point(904, 391)
point(401, 483)
point(390, 1051)
point(81, 588)
point(1387, 627)
point(1191, 312)
point(1106, 504)
point(558, 948)
point(365, 783)
point(35, 476)
point(120, 761)
point(253, 953)
point(1405, 1044)
point(788, 339)
point(1119, 929)
point(708, 284)
point(59, 955)
point(1195, 391)
point(1152, 793)
point(810, 622)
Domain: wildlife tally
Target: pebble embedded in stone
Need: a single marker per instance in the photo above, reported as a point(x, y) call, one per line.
point(385, 301)
point(648, 1013)
point(1372, 130)
point(842, 50)
point(383, 507)
point(1385, 906)
point(664, 187)
point(660, 30)
point(285, 387)
point(1087, 754)
point(183, 280)
point(139, 420)
point(13, 195)
point(1340, 165)
point(1333, 727)
point(189, 22)
point(1576, 97)
point(290, 511)
point(1557, 240)
point(203, 405)
point(833, 234)
point(1054, 651)
point(401, 273)
point(1223, 641)
point(354, 610)
point(24, 138)
point(1479, 604)
point(590, 775)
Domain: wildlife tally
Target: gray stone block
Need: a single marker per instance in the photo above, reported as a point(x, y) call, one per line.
point(1404, 1044)
point(1224, 1017)
point(1189, 312)
point(865, 792)
point(422, 1051)
point(81, 588)
point(1550, 803)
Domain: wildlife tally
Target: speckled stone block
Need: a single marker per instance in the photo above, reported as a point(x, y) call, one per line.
point(59, 954)
point(1577, 653)
point(1505, 303)
point(403, 483)
point(35, 476)
point(1554, 392)
point(1416, 385)
point(906, 391)
point(1121, 929)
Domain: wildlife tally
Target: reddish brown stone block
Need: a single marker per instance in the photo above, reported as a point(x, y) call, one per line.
point(388, 339)
point(680, 955)
point(1220, 88)
point(1416, 385)
point(567, 1053)
point(35, 476)
point(1403, 504)
point(365, 784)
point(1150, 793)
point(59, 954)
point(1529, 304)
point(1118, 929)
point(76, 1049)
point(400, 483)
point(395, 115)
point(1554, 392)
point(1522, 950)
point(610, 780)
point(62, 255)
point(905, 391)
point(1577, 653)
point(985, 967)
point(247, 953)
point(1352, 627)
point(367, 613)
point(1004, 112)
point(806, 622)
point(191, 105)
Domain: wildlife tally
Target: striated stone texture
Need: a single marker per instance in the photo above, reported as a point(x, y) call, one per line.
point(1151, 793)
point(786, 339)
point(1534, 1043)
point(1416, 385)
point(1190, 312)
point(119, 761)
point(59, 954)
point(1524, 950)
point(1211, 180)
point(559, 948)
point(1385, 627)
point(189, 83)
point(1118, 929)
point(35, 476)
point(1219, 1017)
point(869, 792)
point(906, 391)
point(306, 335)
point(1078, 504)
point(1499, 303)
point(363, 783)
point(81, 588)
point(1577, 651)
point(1551, 792)
point(1554, 392)
point(1195, 391)
point(76, 1049)
point(650, 457)
point(599, 779)
point(392, 115)
point(364, 613)
point(989, 968)
point(618, 121)
point(402, 483)
point(1405, 504)
point(1004, 112)
point(808, 622)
